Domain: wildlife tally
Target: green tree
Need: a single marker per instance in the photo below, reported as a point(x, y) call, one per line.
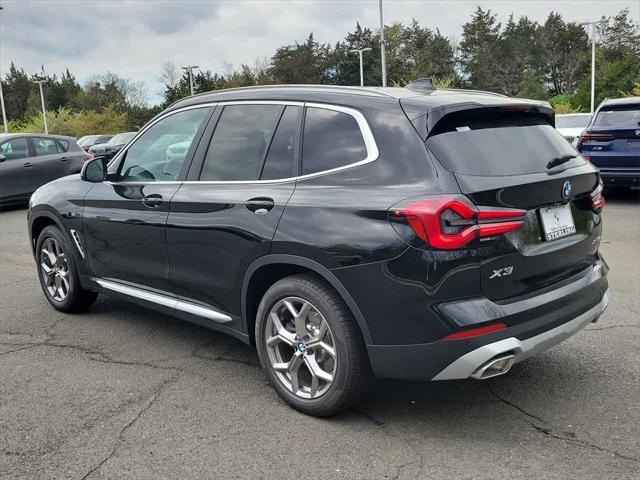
point(301, 63)
point(480, 50)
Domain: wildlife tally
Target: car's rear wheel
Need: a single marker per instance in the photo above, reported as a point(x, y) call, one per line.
point(310, 346)
point(58, 273)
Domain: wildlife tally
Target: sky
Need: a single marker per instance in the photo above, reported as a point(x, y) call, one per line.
point(134, 38)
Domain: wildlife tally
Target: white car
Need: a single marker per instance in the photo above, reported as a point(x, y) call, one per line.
point(571, 125)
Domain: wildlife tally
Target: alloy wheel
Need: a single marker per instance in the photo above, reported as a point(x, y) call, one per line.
point(55, 269)
point(301, 347)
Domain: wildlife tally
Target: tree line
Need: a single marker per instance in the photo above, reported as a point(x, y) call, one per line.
point(522, 57)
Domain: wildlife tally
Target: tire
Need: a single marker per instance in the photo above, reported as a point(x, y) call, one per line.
point(348, 366)
point(68, 295)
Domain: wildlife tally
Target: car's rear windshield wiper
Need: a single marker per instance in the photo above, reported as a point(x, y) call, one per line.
point(560, 159)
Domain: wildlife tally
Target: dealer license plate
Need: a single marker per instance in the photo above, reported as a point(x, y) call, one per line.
point(557, 221)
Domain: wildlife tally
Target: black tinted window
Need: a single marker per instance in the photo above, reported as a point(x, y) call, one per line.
point(15, 149)
point(331, 139)
point(158, 154)
point(281, 155)
point(501, 143)
point(240, 142)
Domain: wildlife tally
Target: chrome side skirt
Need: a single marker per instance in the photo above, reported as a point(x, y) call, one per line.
point(165, 301)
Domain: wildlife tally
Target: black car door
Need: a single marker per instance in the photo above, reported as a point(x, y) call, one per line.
point(50, 160)
point(15, 169)
point(225, 216)
point(124, 218)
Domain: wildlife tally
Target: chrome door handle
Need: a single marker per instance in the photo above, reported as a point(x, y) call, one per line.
point(259, 205)
point(152, 201)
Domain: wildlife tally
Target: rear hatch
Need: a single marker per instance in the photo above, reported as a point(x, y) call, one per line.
point(612, 142)
point(500, 157)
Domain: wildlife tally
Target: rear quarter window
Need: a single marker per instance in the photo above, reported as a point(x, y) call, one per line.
point(497, 143)
point(331, 139)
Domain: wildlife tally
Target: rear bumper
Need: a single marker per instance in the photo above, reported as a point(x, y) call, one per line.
point(465, 366)
point(534, 324)
point(628, 178)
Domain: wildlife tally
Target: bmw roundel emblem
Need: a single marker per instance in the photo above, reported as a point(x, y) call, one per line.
point(637, 132)
point(302, 347)
point(566, 190)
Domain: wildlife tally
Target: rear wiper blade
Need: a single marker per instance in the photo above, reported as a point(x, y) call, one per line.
point(560, 159)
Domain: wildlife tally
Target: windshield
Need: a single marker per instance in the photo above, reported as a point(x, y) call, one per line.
point(618, 115)
point(572, 121)
point(121, 138)
point(498, 143)
point(87, 140)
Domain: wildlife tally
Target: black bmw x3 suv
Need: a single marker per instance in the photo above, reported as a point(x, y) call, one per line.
point(412, 233)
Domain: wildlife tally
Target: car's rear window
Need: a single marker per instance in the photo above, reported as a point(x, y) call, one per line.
point(618, 116)
point(497, 143)
point(572, 121)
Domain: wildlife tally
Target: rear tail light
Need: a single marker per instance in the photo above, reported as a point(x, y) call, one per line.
point(89, 156)
point(596, 137)
point(451, 222)
point(597, 199)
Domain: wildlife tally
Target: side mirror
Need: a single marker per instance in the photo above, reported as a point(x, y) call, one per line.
point(2, 158)
point(94, 170)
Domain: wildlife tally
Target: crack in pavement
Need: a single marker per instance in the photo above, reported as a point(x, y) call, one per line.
point(549, 432)
point(612, 326)
point(380, 425)
point(132, 422)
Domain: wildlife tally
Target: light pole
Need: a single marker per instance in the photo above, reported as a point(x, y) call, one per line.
point(4, 112)
point(593, 62)
point(359, 51)
point(190, 68)
point(382, 50)
point(44, 113)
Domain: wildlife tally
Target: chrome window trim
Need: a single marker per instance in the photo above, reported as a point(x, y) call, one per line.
point(165, 301)
point(370, 144)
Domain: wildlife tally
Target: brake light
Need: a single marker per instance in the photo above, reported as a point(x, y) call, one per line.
point(597, 137)
point(451, 222)
point(474, 332)
point(597, 199)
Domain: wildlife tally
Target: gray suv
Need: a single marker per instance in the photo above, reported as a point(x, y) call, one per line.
point(28, 161)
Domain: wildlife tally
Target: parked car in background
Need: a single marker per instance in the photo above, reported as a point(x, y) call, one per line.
point(28, 161)
point(411, 233)
point(90, 140)
point(114, 145)
point(571, 125)
point(612, 141)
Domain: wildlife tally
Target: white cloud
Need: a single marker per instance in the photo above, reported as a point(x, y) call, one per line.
point(134, 38)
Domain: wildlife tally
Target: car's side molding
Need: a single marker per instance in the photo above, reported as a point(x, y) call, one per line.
point(325, 273)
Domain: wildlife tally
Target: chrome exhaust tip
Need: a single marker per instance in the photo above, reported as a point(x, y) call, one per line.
point(494, 367)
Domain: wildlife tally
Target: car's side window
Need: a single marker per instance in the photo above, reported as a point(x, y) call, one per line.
point(280, 161)
point(45, 146)
point(240, 142)
point(331, 139)
point(159, 153)
point(63, 145)
point(15, 149)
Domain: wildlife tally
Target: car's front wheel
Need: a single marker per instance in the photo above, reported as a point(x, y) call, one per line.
point(310, 346)
point(58, 273)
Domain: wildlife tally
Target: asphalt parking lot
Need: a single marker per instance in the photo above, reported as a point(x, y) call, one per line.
point(122, 392)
